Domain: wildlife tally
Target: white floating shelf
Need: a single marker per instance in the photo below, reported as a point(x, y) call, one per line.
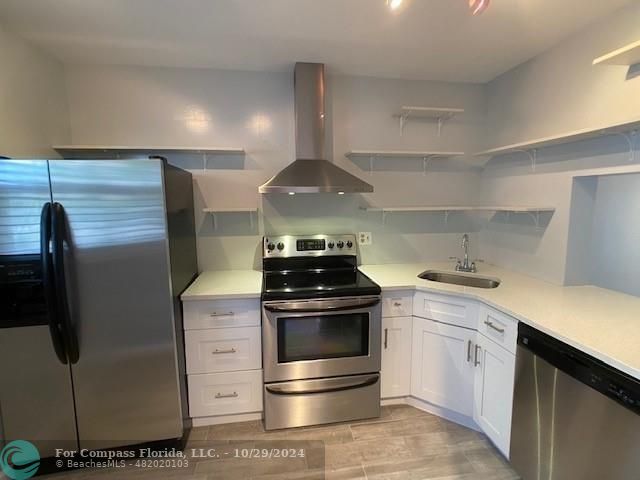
point(462, 208)
point(577, 135)
point(534, 212)
point(78, 151)
point(229, 210)
point(627, 55)
point(425, 156)
point(401, 154)
point(439, 114)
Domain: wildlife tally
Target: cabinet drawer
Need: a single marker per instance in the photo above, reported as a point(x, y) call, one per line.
point(397, 304)
point(223, 349)
point(225, 393)
point(446, 309)
point(221, 313)
point(499, 327)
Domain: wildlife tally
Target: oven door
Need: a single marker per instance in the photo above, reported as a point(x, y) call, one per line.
point(305, 339)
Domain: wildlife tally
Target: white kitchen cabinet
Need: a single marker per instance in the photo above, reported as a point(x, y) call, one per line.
point(396, 357)
point(493, 391)
point(442, 371)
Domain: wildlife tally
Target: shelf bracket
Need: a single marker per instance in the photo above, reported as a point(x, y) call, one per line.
point(371, 165)
point(440, 124)
point(204, 163)
point(536, 217)
point(425, 164)
point(403, 120)
point(533, 157)
point(446, 216)
point(214, 220)
point(629, 137)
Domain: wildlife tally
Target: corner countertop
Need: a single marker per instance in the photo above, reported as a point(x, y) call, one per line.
point(225, 284)
point(597, 321)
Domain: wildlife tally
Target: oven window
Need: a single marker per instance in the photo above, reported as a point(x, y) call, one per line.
point(322, 337)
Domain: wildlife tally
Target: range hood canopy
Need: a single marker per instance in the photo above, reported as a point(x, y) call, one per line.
point(311, 172)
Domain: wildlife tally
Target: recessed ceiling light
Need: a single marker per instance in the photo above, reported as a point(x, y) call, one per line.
point(394, 4)
point(292, 193)
point(340, 193)
point(478, 6)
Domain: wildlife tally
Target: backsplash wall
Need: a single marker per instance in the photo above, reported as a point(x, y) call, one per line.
point(163, 106)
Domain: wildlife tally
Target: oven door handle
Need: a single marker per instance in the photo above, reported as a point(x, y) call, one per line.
point(322, 305)
point(322, 386)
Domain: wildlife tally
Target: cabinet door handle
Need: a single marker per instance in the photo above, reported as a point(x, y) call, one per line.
point(226, 395)
point(476, 361)
point(386, 338)
point(469, 344)
point(221, 314)
point(397, 304)
point(490, 324)
point(218, 352)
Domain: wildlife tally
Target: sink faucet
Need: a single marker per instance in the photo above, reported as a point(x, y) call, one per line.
point(464, 265)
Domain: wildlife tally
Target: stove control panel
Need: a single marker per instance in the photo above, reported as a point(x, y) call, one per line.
point(308, 245)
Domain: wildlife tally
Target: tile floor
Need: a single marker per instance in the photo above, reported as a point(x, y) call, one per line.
point(404, 443)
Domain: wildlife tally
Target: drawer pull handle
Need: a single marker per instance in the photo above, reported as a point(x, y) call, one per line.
point(476, 361)
point(221, 314)
point(397, 304)
point(218, 352)
point(491, 325)
point(226, 395)
point(386, 338)
point(469, 344)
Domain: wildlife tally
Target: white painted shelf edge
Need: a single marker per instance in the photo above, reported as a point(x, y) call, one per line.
point(576, 135)
point(462, 208)
point(429, 112)
point(627, 56)
point(152, 149)
point(401, 154)
point(230, 210)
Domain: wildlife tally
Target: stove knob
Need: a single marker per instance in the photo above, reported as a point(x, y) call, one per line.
point(270, 247)
point(331, 244)
point(349, 244)
point(280, 246)
point(340, 244)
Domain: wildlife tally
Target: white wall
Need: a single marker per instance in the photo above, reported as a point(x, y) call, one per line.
point(33, 107)
point(155, 106)
point(560, 90)
point(556, 92)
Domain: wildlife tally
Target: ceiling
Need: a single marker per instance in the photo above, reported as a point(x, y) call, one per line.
point(424, 39)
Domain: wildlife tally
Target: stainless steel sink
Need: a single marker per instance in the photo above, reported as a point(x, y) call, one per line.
point(467, 280)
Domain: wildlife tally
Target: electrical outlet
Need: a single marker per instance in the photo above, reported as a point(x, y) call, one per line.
point(364, 238)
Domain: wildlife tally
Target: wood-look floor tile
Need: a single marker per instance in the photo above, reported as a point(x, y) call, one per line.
point(406, 426)
point(348, 473)
point(401, 411)
point(358, 452)
point(419, 468)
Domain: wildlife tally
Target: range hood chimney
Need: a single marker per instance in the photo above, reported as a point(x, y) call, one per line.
point(311, 172)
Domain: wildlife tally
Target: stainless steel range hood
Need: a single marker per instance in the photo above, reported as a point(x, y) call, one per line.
point(311, 172)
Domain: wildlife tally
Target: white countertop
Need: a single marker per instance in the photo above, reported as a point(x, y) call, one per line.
point(600, 322)
point(225, 284)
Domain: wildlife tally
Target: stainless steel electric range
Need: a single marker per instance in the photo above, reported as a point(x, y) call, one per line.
point(321, 324)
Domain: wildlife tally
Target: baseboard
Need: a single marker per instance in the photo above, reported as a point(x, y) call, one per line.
point(221, 419)
point(393, 401)
point(450, 415)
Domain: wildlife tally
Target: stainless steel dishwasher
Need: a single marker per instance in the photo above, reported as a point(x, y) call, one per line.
point(574, 417)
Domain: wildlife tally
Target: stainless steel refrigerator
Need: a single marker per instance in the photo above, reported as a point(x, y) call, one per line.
point(93, 257)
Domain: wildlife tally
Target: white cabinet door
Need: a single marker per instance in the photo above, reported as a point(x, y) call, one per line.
point(442, 371)
point(493, 392)
point(396, 357)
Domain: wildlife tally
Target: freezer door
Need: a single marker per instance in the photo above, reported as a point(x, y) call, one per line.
point(120, 300)
point(36, 401)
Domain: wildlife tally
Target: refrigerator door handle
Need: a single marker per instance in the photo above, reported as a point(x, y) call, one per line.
point(49, 283)
point(57, 242)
